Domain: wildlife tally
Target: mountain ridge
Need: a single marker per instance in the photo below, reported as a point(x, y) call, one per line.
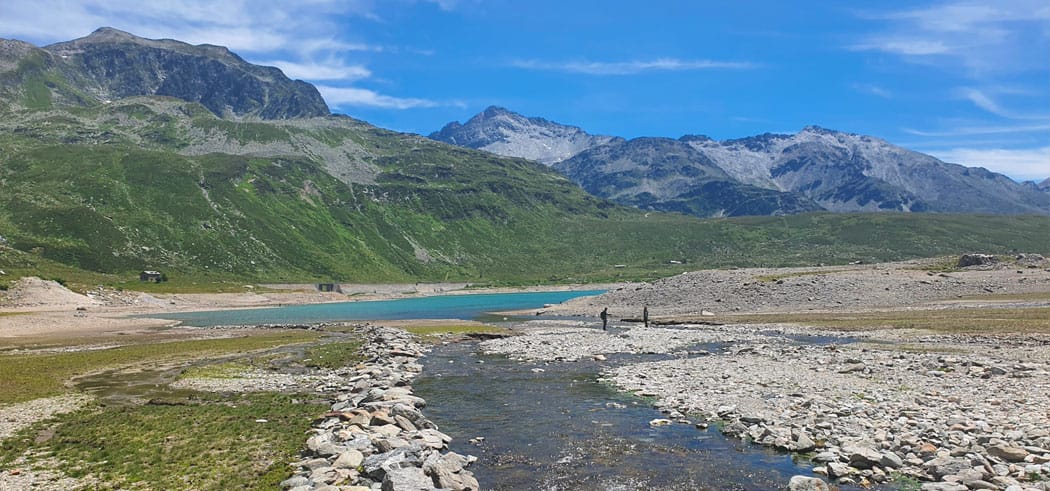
point(839, 171)
point(507, 133)
point(110, 64)
point(94, 191)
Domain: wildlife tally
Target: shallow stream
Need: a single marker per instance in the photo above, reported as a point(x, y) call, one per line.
point(556, 426)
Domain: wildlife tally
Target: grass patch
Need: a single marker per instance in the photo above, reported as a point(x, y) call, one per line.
point(960, 321)
point(231, 369)
point(207, 441)
point(31, 376)
point(334, 355)
point(444, 330)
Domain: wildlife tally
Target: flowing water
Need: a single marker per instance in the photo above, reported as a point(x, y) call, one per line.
point(561, 428)
point(544, 426)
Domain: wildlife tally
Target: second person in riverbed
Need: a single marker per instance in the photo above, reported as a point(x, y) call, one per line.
point(605, 318)
point(645, 315)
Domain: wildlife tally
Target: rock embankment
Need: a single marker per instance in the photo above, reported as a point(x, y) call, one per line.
point(375, 435)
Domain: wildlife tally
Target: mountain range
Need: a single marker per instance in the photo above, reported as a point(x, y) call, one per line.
point(814, 169)
point(119, 154)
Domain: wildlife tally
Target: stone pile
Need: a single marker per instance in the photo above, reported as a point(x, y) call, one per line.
point(375, 436)
point(957, 421)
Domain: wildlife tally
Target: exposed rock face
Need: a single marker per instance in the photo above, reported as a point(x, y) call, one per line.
point(849, 172)
point(503, 132)
point(669, 175)
point(110, 64)
point(968, 260)
point(815, 167)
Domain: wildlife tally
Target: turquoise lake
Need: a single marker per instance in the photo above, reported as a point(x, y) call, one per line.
point(467, 307)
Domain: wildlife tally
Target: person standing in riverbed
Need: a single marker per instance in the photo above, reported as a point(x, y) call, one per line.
point(645, 315)
point(605, 318)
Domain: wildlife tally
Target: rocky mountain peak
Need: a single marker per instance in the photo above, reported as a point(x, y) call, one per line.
point(1045, 185)
point(111, 64)
point(504, 132)
point(695, 138)
point(109, 35)
point(494, 111)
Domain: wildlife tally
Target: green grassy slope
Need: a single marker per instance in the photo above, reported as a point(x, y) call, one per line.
point(96, 193)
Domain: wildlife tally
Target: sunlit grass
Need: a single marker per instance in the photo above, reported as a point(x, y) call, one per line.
point(29, 376)
point(452, 330)
point(334, 355)
point(206, 441)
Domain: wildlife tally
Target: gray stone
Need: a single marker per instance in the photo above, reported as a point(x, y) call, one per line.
point(863, 457)
point(827, 456)
point(295, 481)
point(407, 479)
point(837, 470)
point(944, 466)
point(1009, 454)
point(350, 459)
point(803, 483)
point(376, 466)
point(891, 460)
point(803, 443)
point(968, 260)
point(943, 486)
point(979, 484)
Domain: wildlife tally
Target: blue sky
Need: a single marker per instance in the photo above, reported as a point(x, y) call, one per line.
point(968, 82)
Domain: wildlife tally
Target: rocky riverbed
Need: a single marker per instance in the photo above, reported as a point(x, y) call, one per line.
point(957, 412)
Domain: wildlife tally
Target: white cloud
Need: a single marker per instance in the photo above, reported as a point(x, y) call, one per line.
point(303, 38)
point(982, 100)
point(980, 130)
point(874, 90)
point(1020, 164)
point(982, 37)
point(908, 47)
point(320, 71)
point(353, 96)
point(630, 67)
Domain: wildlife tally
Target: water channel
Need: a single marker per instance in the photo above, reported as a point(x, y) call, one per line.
point(557, 426)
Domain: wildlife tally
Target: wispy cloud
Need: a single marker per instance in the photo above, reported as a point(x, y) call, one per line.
point(357, 97)
point(320, 71)
point(982, 100)
point(909, 47)
point(1033, 163)
point(983, 37)
point(631, 67)
point(979, 130)
point(874, 90)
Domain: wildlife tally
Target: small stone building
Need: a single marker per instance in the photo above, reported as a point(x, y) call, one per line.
point(151, 276)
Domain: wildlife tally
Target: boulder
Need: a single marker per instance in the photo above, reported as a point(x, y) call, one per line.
point(803, 483)
point(969, 260)
point(944, 466)
point(1007, 453)
point(407, 479)
point(349, 459)
point(863, 457)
